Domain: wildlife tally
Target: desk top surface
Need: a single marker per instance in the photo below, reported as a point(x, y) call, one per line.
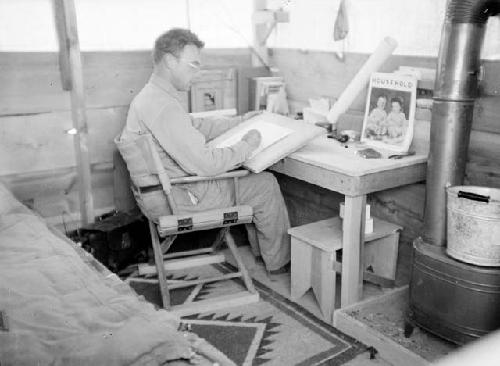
point(332, 155)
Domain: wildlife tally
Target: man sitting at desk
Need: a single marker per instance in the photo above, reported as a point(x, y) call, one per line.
point(182, 145)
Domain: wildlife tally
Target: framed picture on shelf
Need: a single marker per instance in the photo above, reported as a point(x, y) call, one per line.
point(204, 99)
point(213, 89)
point(390, 112)
point(264, 89)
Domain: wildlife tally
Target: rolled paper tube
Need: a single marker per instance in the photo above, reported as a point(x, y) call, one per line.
point(383, 51)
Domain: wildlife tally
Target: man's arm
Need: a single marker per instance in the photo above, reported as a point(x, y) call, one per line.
point(211, 127)
point(187, 146)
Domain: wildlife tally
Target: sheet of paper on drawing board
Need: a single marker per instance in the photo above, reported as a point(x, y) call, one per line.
point(270, 133)
point(282, 135)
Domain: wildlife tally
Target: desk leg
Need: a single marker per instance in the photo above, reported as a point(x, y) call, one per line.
point(352, 249)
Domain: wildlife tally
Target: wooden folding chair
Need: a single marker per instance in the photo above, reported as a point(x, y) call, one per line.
point(168, 227)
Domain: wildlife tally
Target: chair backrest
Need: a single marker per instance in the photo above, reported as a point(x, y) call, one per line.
point(123, 197)
point(143, 145)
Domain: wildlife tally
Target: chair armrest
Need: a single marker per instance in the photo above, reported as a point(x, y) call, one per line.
point(194, 179)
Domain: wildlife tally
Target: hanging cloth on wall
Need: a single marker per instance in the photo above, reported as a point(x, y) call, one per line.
point(341, 28)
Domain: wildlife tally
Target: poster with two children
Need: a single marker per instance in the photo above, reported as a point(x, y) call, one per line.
point(390, 112)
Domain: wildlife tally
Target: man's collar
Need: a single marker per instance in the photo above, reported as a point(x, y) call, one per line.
point(164, 85)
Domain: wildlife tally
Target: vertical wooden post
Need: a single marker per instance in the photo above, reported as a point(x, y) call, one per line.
point(72, 78)
point(63, 49)
point(188, 14)
point(259, 31)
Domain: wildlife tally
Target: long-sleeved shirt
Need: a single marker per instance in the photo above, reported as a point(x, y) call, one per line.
point(181, 140)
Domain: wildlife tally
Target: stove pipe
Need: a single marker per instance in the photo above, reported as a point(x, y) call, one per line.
point(455, 91)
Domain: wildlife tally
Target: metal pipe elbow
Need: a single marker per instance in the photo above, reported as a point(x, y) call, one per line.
point(472, 11)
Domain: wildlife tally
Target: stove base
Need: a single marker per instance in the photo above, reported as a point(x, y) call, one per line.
point(456, 301)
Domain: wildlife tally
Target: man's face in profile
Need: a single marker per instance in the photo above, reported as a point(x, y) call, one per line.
point(185, 67)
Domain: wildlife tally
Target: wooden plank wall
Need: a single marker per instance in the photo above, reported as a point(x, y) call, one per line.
point(312, 74)
point(36, 157)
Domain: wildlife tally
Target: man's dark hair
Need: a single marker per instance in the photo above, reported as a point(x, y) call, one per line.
point(174, 41)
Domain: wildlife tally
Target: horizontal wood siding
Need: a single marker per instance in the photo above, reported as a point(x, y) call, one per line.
point(31, 83)
point(311, 74)
point(37, 159)
point(31, 143)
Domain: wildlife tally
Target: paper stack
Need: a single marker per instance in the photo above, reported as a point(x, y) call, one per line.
point(317, 110)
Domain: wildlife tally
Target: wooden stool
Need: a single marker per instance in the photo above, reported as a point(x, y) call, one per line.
point(314, 259)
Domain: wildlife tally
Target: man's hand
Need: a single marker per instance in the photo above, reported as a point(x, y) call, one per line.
point(252, 138)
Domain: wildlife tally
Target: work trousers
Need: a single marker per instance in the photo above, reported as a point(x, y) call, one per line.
point(260, 191)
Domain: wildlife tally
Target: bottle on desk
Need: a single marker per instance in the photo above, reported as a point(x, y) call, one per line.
point(368, 218)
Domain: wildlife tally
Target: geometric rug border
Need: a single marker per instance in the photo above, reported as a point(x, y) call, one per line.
point(331, 357)
point(260, 330)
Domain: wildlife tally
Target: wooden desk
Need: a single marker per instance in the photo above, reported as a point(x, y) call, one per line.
point(330, 165)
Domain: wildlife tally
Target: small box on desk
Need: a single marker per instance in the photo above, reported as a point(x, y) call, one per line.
point(314, 258)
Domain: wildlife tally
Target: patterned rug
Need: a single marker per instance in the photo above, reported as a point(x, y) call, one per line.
point(273, 331)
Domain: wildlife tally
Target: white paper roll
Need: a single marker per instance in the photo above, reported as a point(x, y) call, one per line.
point(383, 51)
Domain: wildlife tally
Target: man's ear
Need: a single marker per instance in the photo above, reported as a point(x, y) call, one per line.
point(169, 60)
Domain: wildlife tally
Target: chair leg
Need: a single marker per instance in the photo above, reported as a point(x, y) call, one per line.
point(234, 251)
point(219, 238)
point(162, 279)
point(167, 243)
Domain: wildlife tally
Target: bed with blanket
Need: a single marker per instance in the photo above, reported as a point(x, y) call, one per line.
point(59, 306)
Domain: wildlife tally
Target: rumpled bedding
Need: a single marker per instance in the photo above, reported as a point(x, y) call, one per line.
point(64, 308)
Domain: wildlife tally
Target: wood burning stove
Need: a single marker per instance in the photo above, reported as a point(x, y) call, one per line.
point(454, 300)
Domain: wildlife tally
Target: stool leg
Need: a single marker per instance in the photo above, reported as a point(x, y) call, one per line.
point(323, 282)
point(300, 268)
